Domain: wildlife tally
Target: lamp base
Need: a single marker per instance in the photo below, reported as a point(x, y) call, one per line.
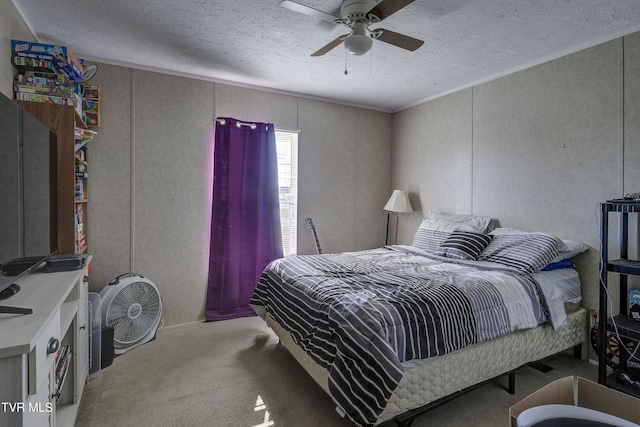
point(386, 240)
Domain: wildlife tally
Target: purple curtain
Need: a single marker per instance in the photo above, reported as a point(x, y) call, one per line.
point(245, 217)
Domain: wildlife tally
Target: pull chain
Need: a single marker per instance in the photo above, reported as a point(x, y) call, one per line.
point(345, 61)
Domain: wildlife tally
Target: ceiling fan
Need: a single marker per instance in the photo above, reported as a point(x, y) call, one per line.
point(358, 15)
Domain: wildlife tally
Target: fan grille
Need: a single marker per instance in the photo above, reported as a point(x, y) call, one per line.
point(133, 312)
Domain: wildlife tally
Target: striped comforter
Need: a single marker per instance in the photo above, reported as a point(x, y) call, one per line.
point(361, 315)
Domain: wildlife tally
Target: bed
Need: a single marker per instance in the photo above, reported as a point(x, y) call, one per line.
point(388, 331)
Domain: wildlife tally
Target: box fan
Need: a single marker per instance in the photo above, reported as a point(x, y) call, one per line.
point(131, 304)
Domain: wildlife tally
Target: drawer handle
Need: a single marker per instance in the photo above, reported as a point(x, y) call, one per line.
point(53, 345)
point(82, 327)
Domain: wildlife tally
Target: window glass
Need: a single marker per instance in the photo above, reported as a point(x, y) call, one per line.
point(287, 148)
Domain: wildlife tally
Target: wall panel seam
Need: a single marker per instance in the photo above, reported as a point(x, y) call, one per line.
point(472, 192)
point(132, 176)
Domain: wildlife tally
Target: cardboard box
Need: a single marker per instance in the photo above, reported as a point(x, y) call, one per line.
point(581, 392)
point(46, 57)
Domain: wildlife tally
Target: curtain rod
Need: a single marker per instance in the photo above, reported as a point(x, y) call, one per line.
point(238, 123)
point(253, 126)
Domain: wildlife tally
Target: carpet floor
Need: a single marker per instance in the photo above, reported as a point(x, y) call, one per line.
point(234, 373)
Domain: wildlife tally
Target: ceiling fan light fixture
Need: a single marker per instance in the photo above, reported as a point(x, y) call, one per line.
point(358, 15)
point(358, 44)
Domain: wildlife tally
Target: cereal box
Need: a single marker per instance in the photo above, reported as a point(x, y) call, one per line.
point(45, 57)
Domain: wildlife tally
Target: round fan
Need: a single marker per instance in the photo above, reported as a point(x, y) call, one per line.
point(131, 304)
point(358, 15)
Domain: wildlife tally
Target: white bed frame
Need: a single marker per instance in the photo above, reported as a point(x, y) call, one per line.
point(430, 383)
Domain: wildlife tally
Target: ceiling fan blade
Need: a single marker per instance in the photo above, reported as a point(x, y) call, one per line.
point(386, 8)
point(297, 7)
point(399, 40)
point(329, 46)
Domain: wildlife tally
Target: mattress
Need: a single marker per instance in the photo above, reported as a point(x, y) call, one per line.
point(444, 375)
point(368, 319)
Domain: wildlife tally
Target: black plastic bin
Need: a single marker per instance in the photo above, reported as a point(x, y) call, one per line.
point(106, 349)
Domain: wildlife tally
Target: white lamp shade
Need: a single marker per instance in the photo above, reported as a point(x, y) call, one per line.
point(398, 202)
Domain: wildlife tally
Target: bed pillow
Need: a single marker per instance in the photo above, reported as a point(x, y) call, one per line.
point(567, 249)
point(432, 232)
point(527, 252)
point(503, 230)
point(480, 223)
point(465, 245)
point(557, 265)
point(570, 250)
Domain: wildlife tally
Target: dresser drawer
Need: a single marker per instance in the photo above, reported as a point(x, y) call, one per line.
point(41, 362)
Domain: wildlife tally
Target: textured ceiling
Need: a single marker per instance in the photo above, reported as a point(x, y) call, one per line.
point(256, 43)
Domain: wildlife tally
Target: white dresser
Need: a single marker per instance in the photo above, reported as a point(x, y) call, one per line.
point(33, 391)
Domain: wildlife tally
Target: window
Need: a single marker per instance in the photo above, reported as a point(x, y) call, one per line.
point(287, 148)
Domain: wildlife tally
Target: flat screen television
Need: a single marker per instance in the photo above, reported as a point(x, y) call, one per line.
point(25, 188)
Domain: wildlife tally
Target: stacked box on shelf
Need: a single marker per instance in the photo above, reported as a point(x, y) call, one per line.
point(82, 245)
point(47, 87)
point(45, 84)
point(32, 56)
point(81, 170)
point(91, 104)
point(50, 73)
point(81, 176)
point(80, 236)
point(80, 153)
point(79, 224)
point(82, 137)
point(79, 189)
point(36, 97)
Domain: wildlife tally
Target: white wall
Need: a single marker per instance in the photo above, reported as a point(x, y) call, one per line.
point(536, 150)
point(12, 26)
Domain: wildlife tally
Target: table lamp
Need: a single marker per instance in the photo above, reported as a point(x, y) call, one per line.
point(398, 202)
